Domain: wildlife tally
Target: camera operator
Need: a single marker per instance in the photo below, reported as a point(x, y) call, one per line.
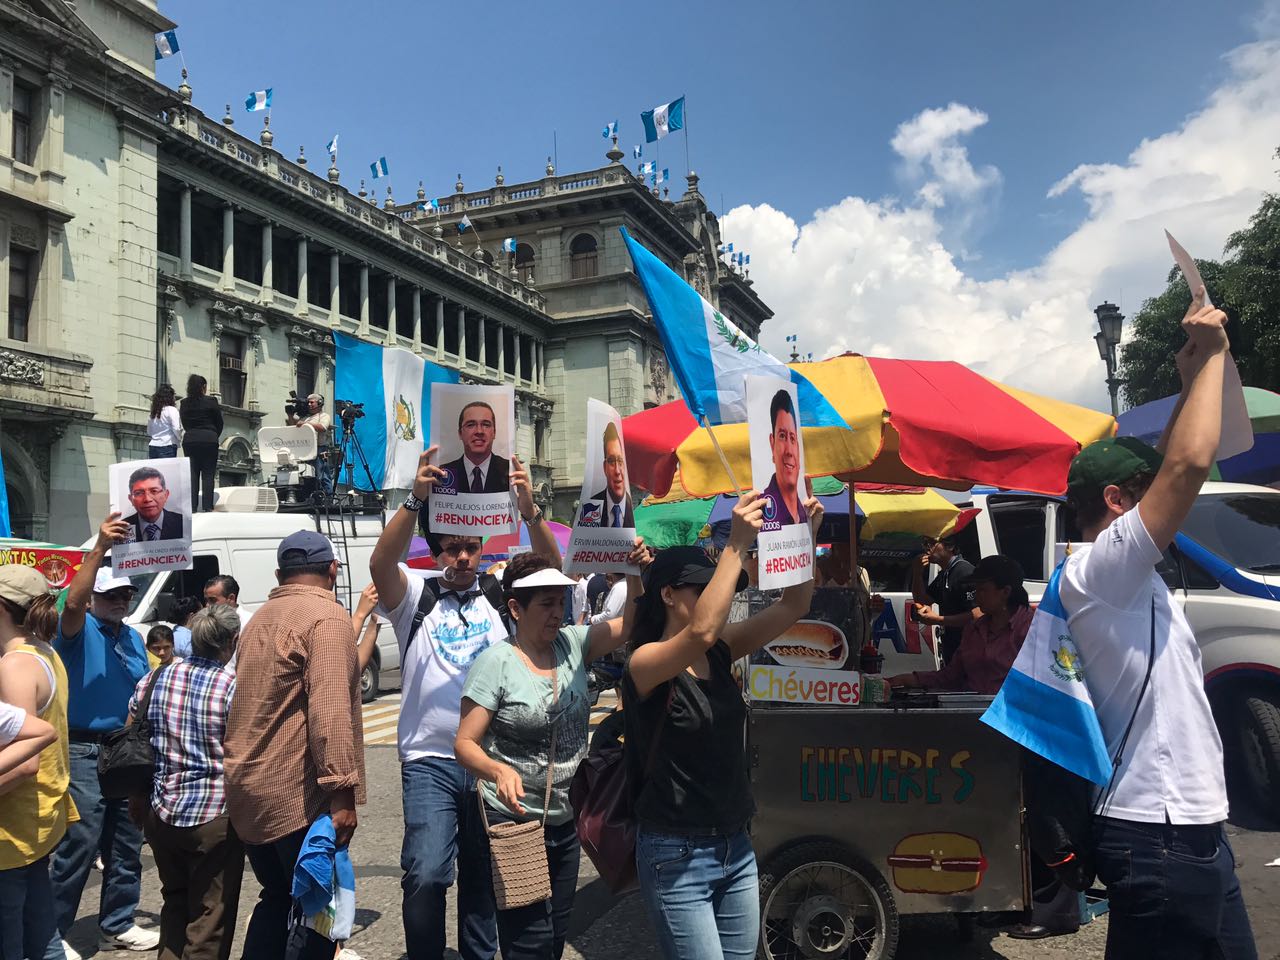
point(309, 412)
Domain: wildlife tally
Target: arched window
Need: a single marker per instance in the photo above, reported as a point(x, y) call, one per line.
point(524, 261)
point(582, 257)
point(487, 257)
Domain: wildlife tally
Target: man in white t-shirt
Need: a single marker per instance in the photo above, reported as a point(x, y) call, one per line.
point(439, 795)
point(1160, 844)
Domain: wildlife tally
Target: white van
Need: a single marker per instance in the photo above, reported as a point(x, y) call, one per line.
point(244, 546)
point(1223, 567)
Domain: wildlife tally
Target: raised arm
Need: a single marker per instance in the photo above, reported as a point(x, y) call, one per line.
point(365, 626)
point(611, 634)
point(113, 530)
point(384, 563)
point(919, 590)
point(541, 539)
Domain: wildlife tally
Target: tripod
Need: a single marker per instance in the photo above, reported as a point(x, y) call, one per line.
point(350, 452)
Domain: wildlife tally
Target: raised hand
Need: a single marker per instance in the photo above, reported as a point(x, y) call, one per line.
point(113, 530)
point(428, 474)
point(1205, 326)
point(813, 506)
point(523, 487)
point(748, 518)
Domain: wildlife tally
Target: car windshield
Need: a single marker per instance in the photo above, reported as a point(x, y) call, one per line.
point(1242, 528)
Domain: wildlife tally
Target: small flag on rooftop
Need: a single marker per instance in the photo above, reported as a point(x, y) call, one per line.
point(167, 44)
point(662, 120)
point(610, 130)
point(746, 259)
point(332, 145)
point(379, 168)
point(464, 224)
point(649, 167)
point(637, 151)
point(258, 100)
point(509, 245)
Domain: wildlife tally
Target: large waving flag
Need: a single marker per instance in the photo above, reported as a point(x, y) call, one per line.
point(258, 100)
point(395, 387)
point(1044, 703)
point(662, 120)
point(711, 357)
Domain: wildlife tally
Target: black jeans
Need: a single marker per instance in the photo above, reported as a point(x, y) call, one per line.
point(539, 931)
point(269, 933)
point(204, 463)
point(1173, 892)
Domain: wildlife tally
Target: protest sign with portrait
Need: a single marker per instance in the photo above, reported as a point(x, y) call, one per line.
point(154, 499)
point(604, 527)
point(777, 470)
point(474, 428)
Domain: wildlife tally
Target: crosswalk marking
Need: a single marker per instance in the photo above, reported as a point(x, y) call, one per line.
point(382, 716)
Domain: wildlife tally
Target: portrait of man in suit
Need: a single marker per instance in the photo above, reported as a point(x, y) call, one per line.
point(479, 469)
point(616, 497)
point(148, 494)
point(784, 446)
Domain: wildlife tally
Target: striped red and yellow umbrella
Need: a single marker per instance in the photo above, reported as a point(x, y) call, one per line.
point(917, 422)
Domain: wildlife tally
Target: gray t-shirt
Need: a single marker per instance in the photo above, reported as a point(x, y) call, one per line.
point(520, 733)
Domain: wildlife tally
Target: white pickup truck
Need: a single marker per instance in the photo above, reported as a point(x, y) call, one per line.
point(1224, 568)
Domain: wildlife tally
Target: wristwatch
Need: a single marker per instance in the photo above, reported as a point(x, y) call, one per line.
point(536, 519)
point(413, 504)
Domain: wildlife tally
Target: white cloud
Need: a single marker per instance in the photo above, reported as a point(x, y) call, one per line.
point(887, 278)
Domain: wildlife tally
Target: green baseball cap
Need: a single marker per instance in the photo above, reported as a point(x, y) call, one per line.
point(1106, 462)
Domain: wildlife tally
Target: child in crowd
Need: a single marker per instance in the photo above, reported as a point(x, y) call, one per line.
point(160, 647)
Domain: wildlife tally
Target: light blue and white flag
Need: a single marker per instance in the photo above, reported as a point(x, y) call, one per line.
point(395, 387)
point(6, 529)
point(332, 145)
point(649, 167)
point(662, 120)
point(746, 260)
point(167, 44)
point(464, 224)
point(711, 357)
point(792, 338)
point(610, 130)
point(637, 151)
point(258, 100)
point(664, 176)
point(1044, 702)
point(379, 168)
point(509, 245)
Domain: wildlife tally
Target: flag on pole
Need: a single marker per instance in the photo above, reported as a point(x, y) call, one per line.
point(464, 224)
point(509, 245)
point(395, 387)
point(258, 100)
point(711, 357)
point(792, 338)
point(637, 151)
point(662, 120)
point(1044, 702)
point(746, 260)
point(648, 167)
point(332, 145)
point(664, 176)
point(379, 168)
point(167, 44)
point(610, 130)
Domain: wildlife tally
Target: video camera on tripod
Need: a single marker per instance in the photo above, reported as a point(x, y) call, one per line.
point(348, 412)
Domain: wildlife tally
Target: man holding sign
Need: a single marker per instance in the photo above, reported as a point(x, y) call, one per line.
point(784, 446)
point(472, 494)
point(785, 543)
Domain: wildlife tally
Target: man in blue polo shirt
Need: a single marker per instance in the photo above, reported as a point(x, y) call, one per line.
point(105, 658)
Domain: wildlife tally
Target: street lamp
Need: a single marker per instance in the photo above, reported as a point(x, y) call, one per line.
point(1110, 320)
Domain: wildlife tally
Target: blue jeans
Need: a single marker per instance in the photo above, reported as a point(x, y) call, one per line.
point(439, 810)
point(539, 931)
point(159, 453)
point(1173, 892)
point(104, 828)
point(701, 894)
point(27, 927)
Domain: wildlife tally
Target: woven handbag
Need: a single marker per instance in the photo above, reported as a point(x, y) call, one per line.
point(518, 851)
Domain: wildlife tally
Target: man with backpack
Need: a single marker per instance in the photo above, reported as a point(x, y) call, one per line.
point(1159, 840)
point(441, 625)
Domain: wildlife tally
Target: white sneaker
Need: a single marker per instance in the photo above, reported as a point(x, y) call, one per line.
point(135, 939)
point(346, 953)
point(70, 951)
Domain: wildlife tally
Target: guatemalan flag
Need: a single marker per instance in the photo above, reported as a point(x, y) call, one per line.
point(711, 357)
point(258, 100)
point(662, 120)
point(167, 44)
point(395, 387)
point(1044, 703)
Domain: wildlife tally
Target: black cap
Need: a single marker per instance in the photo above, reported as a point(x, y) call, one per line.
point(680, 567)
point(1002, 571)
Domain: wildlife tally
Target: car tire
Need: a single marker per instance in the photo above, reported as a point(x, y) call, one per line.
point(846, 910)
point(1260, 747)
point(369, 682)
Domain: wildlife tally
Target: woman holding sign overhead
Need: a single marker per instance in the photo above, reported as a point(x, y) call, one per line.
point(685, 741)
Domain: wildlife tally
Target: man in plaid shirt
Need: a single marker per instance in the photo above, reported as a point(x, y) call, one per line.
point(199, 857)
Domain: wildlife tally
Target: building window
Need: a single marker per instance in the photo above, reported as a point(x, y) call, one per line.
point(582, 257)
point(540, 440)
point(24, 99)
point(231, 369)
point(524, 261)
point(308, 367)
point(22, 283)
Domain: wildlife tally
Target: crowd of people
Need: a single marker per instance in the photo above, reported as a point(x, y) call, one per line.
point(255, 722)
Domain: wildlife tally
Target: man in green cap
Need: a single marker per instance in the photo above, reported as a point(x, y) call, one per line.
point(1160, 846)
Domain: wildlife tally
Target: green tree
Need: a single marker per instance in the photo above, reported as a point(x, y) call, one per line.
point(1246, 284)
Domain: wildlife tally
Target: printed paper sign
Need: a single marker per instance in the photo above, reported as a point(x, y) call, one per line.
point(604, 528)
point(154, 498)
point(474, 428)
point(804, 685)
point(777, 453)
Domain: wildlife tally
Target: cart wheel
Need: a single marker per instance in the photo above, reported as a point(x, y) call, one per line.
point(820, 901)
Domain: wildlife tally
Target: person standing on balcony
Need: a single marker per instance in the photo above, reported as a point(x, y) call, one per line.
point(202, 421)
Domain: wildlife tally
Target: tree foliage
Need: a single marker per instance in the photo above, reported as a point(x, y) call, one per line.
point(1246, 284)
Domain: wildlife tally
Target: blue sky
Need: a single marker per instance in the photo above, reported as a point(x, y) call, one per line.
point(793, 111)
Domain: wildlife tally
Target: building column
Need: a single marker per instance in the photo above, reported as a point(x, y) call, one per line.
point(228, 247)
point(502, 353)
point(439, 328)
point(335, 314)
point(537, 366)
point(363, 329)
point(462, 337)
point(484, 343)
point(516, 347)
point(304, 290)
point(417, 320)
point(268, 271)
point(184, 233)
point(393, 336)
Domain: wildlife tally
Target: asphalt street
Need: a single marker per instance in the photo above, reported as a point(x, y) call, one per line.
point(608, 928)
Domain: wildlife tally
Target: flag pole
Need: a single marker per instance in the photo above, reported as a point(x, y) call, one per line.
point(688, 166)
point(706, 423)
